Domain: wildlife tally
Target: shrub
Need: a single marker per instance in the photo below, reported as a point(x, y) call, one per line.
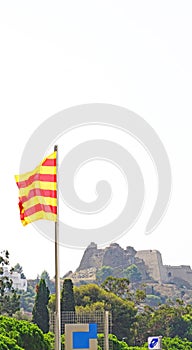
point(23, 334)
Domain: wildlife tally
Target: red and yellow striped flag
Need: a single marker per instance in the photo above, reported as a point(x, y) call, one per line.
point(38, 192)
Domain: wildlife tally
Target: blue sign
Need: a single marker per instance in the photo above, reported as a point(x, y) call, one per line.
point(81, 336)
point(153, 342)
point(81, 339)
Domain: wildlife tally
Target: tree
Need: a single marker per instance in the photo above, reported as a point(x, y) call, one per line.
point(52, 303)
point(8, 344)
point(20, 335)
point(18, 268)
point(11, 304)
point(118, 286)
point(123, 311)
point(167, 320)
point(139, 296)
point(67, 300)
point(103, 273)
point(9, 300)
point(176, 343)
point(67, 296)
point(152, 300)
point(40, 314)
point(50, 284)
point(132, 273)
point(5, 283)
point(27, 299)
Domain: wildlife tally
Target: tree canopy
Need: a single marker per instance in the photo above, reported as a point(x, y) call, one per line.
point(18, 268)
point(118, 286)
point(132, 273)
point(91, 296)
point(21, 335)
point(67, 296)
point(40, 310)
point(9, 300)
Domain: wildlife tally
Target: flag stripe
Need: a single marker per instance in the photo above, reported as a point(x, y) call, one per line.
point(40, 207)
point(50, 186)
point(41, 200)
point(38, 170)
point(49, 162)
point(36, 177)
point(39, 215)
point(38, 192)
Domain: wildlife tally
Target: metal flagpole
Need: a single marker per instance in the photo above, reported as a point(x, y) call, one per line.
point(57, 274)
point(106, 330)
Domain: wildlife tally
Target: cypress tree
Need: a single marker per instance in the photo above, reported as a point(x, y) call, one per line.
point(67, 301)
point(67, 296)
point(40, 310)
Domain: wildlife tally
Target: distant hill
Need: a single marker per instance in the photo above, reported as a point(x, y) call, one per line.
point(164, 279)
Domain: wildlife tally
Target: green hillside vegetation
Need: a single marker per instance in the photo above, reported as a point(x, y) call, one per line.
point(136, 314)
point(21, 335)
point(136, 321)
point(91, 298)
point(131, 317)
point(167, 343)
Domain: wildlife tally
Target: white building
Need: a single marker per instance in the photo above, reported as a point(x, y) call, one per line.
point(18, 282)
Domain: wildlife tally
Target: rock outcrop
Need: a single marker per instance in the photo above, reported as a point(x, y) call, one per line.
point(148, 262)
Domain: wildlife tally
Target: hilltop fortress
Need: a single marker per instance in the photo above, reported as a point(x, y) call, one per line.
point(149, 263)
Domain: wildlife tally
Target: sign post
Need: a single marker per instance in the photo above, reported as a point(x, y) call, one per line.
point(155, 342)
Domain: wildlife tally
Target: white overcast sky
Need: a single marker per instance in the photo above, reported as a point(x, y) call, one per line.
point(58, 54)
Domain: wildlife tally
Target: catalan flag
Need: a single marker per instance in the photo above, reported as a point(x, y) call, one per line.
point(38, 192)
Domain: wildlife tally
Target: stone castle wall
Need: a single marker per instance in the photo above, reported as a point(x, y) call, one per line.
point(182, 272)
point(149, 263)
point(155, 267)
